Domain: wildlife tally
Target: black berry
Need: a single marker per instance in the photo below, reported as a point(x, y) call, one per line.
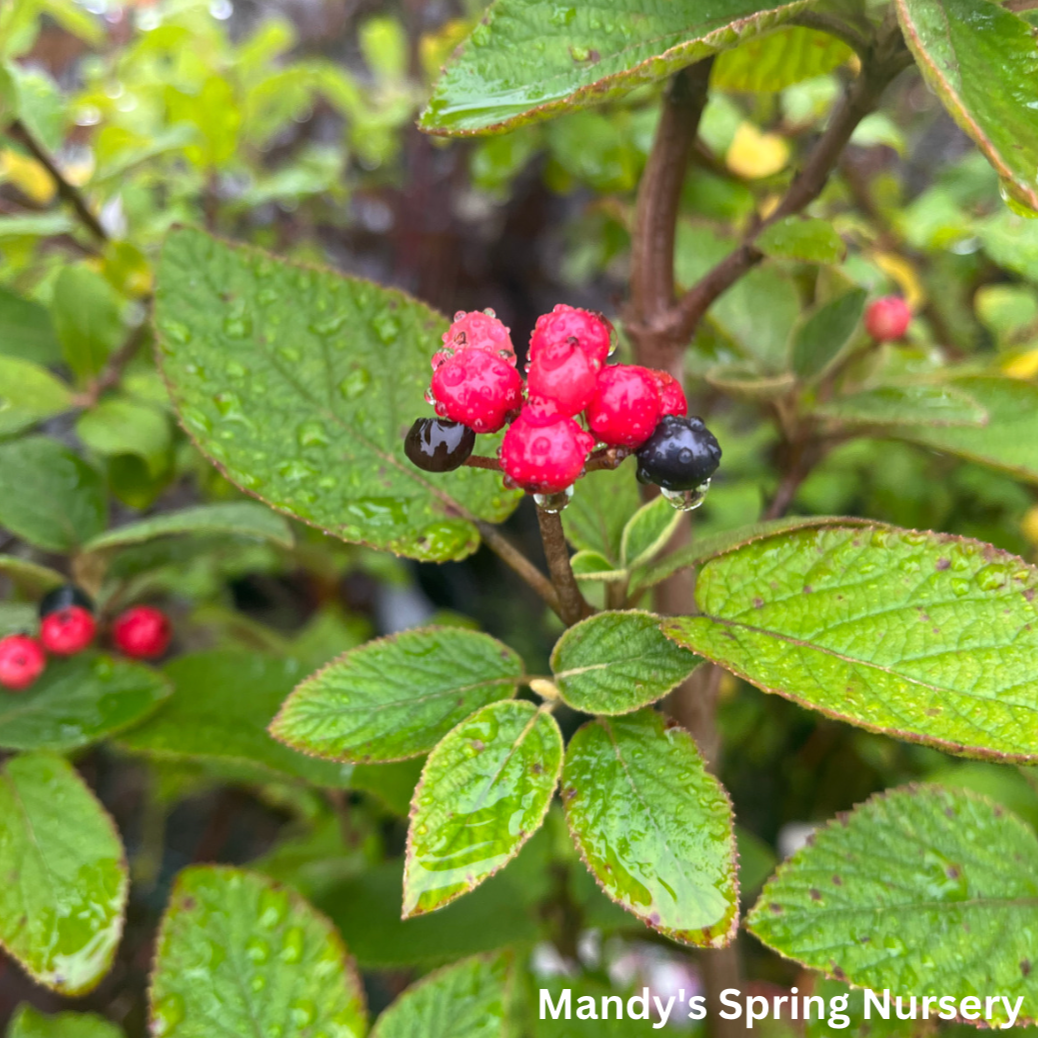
point(63, 598)
point(680, 454)
point(436, 445)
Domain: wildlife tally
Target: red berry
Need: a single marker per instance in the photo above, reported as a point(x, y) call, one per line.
point(478, 389)
point(544, 453)
point(592, 332)
point(563, 372)
point(67, 631)
point(887, 318)
point(479, 330)
point(626, 406)
point(672, 396)
point(142, 632)
point(21, 661)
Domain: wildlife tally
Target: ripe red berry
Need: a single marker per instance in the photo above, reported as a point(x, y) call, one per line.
point(672, 396)
point(544, 453)
point(479, 330)
point(142, 632)
point(21, 661)
point(887, 318)
point(626, 406)
point(592, 332)
point(561, 371)
point(478, 389)
point(67, 631)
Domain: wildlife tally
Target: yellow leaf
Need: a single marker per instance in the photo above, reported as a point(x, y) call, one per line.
point(1023, 365)
point(435, 48)
point(754, 154)
point(1029, 524)
point(898, 269)
point(28, 176)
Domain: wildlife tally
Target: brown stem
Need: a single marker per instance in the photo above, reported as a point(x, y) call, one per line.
point(571, 601)
point(71, 194)
point(113, 370)
point(513, 557)
point(481, 461)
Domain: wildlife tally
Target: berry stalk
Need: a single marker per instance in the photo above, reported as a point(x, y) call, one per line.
point(572, 606)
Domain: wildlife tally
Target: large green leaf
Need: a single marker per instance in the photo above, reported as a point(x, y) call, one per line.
point(484, 792)
point(921, 890)
point(397, 697)
point(300, 384)
point(239, 955)
point(29, 393)
point(466, 1000)
point(921, 404)
point(982, 61)
point(219, 712)
point(923, 636)
point(614, 663)
point(778, 60)
point(65, 883)
point(30, 1023)
point(529, 59)
point(79, 701)
point(653, 826)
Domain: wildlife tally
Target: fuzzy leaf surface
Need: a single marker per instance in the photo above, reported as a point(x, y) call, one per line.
point(912, 404)
point(648, 531)
point(773, 62)
point(602, 504)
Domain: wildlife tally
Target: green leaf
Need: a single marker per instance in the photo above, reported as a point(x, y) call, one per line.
point(30, 1023)
point(29, 393)
point(79, 701)
point(530, 59)
point(18, 618)
point(49, 496)
point(466, 1000)
point(239, 518)
point(613, 663)
point(921, 890)
point(65, 883)
point(300, 384)
point(927, 637)
point(822, 337)
point(485, 790)
point(653, 826)
point(810, 241)
point(975, 56)
point(648, 531)
point(28, 330)
point(603, 502)
point(770, 63)
point(590, 565)
point(922, 404)
point(222, 704)
point(86, 313)
point(397, 697)
point(32, 578)
point(237, 955)
point(36, 225)
point(119, 425)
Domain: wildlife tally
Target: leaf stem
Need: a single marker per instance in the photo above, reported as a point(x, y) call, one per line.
point(520, 564)
point(573, 607)
point(112, 372)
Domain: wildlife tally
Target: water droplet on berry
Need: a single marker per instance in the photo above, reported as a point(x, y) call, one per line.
point(490, 312)
point(686, 500)
point(554, 503)
point(541, 445)
point(459, 314)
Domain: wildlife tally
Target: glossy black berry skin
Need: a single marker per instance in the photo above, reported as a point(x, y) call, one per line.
point(63, 597)
point(680, 454)
point(436, 445)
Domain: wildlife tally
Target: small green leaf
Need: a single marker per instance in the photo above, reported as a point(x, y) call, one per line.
point(653, 826)
point(602, 503)
point(397, 697)
point(820, 340)
point(810, 241)
point(237, 955)
point(770, 63)
point(921, 890)
point(119, 425)
point(923, 636)
point(30, 1023)
point(29, 393)
point(32, 578)
point(222, 704)
point(300, 384)
point(591, 565)
point(484, 792)
point(648, 531)
point(49, 496)
point(28, 329)
point(466, 1000)
point(79, 701)
point(87, 319)
point(922, 404)
point(239, 518)
point(613, 663)
point(65, 883)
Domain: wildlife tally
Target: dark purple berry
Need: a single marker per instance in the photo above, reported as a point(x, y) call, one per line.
point(680, 454)
point(65, 597)
point(436, 445)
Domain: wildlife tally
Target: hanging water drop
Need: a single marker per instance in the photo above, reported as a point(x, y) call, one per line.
point(554, 503)
point(687, 500)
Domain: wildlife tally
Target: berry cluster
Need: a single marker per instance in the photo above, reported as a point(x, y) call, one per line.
point(68, 626)
point(571, 402)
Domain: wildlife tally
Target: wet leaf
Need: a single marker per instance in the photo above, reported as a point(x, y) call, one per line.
point(603, 502)
point(952, 910)
point(773, 62)
point(397, 697)
point(29, 394)
point(823, 335)
point(590, 565)
point(896, 405)
point(240, 955)
point(614, 663)
point(79, 701)
point(653, 826)
point(484, 792)
point(927, 637)
point(810, 241)
point(530, 59)
point(28, 1022)
point(300, 384)
point(648, 531)
point(65, 886)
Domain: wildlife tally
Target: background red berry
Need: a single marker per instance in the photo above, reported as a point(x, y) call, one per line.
point(544, 454)
point(478, 389)
point(563, 372)
point(888, 318)
point(626, 406)
point(21, 661)
point(592, 332)
point(142, 632)
point(67, 631)
point(672, 396)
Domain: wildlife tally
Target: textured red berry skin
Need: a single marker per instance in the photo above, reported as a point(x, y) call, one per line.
point(887, 318)
point(544, 454)
point(672, 396)
point(563, 372)
point(626, 406)
point(21, 661)
point(478, 330)
point(67, 631)
point(592, 332)
point(142, 632)
point(478, 389)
